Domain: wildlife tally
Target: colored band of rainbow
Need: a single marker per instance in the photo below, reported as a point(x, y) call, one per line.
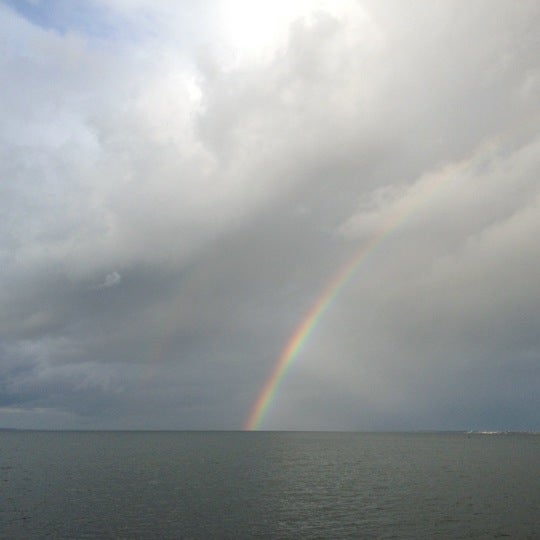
point(314, 315)
point(301, 334)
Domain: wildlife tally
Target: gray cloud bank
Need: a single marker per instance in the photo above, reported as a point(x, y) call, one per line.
point(172, 206)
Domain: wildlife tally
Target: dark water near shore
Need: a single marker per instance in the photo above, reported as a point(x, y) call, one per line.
point(268, 485)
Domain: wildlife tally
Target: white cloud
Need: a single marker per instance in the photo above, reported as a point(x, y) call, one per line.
point(111, 280)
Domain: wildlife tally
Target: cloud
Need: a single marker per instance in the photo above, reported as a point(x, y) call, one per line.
point(111, 280)
point(211, 183)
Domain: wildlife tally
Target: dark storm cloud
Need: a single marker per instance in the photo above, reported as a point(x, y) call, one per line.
point(171, 209)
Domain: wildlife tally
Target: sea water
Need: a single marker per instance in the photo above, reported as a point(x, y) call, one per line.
point(268, 485)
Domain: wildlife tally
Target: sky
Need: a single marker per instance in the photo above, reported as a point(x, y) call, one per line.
point(180, 183)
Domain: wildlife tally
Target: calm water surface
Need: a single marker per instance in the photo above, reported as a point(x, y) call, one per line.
point(268, 485)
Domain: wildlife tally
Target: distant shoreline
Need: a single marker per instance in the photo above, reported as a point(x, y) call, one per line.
point(367, 432)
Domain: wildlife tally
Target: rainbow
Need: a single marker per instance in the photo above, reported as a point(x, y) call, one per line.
point(420, 192)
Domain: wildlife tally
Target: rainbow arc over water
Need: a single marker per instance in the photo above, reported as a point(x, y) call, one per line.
point(422, 191)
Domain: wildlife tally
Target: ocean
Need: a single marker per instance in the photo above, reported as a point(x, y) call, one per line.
point(268, 485)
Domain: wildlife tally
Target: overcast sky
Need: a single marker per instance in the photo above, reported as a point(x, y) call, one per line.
point(180, 181)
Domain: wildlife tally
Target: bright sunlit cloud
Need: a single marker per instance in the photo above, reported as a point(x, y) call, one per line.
point(255, 30)
point(254, 27)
